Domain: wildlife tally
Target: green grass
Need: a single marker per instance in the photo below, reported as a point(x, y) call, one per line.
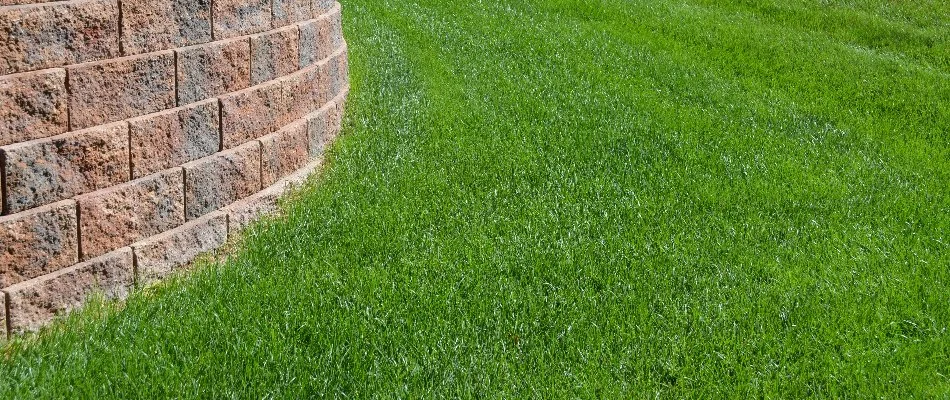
point(581, 198)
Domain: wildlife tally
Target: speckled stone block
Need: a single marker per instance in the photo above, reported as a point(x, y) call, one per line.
point(47, 170)
point(338, 71)
point(318, 130)
point(153, 25)
point(240, 17)
point(58, 33)
point(308, 45)
point(287, 12)
point(249, 114)
point(106, 91)
point(244, 212)
point(213, 69)
point(159, 256)
point(216, 181)
point(32, 105)
point(37, 242)
point(296, 98)
point(321, 7)
point(334, 29)
point(35, 302)
point(120, 215)
point(174, 137)
point(317, 79)
point(273, 54)
point(283, 152)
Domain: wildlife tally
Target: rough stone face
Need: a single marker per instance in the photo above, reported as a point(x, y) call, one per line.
point(309, 43)
point(35, 302)
point(174, 137)
point(334, 29)
point(296, 97)
point(273, 54)
point(249, 114)
point(37, 242)
point(113, 90)
point(283, 152)
point(159, 256)
point(213, 69)
point(240, 17)
point(318, 130)
point(153, 25)
point(120, 215)
point(32, 106)
point(47, 170)
point(317, 79)
point(216, 181)
point(339, 74)
point(321, 7)
point(59, 33)
point(245, 212)
point(287, 12)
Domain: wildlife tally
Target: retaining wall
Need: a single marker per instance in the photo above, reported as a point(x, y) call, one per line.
point(137, 134)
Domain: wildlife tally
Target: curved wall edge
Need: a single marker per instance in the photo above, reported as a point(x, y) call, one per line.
point(137, 135)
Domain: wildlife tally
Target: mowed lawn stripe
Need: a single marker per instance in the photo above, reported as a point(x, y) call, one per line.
point(564, 198)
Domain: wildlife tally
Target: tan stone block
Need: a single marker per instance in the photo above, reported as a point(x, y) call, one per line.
point(153, 25)
point(54, 34)
point(249, 114)
point(213, 69)
point(37, 242)
point(160, 255)
point(221, 179)
point(121, 215)
point(112, 90)
point(274, 54)
point(32, 106)
point(240, 17)
point(287, 12)
point(174, 137)
point(47, 170)
point(283, 152)
point(34, 303)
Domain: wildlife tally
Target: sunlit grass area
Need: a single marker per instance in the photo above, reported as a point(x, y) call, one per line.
point(567, 198)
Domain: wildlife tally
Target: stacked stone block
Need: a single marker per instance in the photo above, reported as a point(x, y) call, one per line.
point(137, 134)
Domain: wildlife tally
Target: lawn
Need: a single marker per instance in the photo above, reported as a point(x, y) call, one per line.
point(580, 198)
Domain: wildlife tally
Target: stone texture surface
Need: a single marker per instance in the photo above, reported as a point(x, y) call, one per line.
point(216, 181)
point(318, 82)
point(120, 215)
point(245, 212)
point(160, 255)
point(308, 43)
point(296, 97)
point(283, 152)
point(32, 106)
point(240, 17)
point(47, 170)
point(58, 33)
point(37, 242)
point(249, 114)
point(33, 303)
point(321, 7)
point(273, 54)
point(339, 72)
point(174, 137)
point(287, 12)
point(113, 90)
point(153, 25)
point(318, 130)
point(213, 69)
